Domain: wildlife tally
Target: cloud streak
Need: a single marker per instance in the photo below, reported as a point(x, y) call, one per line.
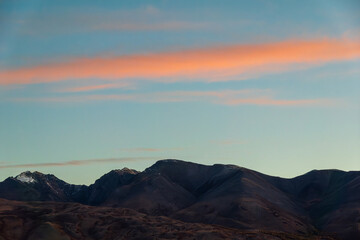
point(160, 26)
point(147, 18)
point(280, 102)
point(95, 87)
point(150, 149)
point(74, 162)
point(224, 97)
point(228, 142)
point(207, 64)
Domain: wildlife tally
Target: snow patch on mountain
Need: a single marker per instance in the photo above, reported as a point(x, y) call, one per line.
point(23, 177)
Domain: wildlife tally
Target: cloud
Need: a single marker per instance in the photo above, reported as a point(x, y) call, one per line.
point(65, 21)
point(142, 149)
point(95, 87)
point(150, 149)
point(205, 64)
point(74, 162)
point(223, 97)
point(280, 102)
point(158, 26)
point(151, 10)
point(228, 142)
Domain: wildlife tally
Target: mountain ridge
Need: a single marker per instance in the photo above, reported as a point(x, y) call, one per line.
point(224, 195)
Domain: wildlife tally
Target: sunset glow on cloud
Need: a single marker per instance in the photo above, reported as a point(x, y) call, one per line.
point(188, 64)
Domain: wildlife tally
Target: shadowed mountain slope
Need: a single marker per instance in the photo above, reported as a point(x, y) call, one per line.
point(36, 186)
point(326, 201)
point(70, 221)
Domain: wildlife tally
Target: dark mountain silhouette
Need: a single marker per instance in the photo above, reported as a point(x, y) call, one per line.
point(314, 204)
point(36, 186)
point(104, 187)
point(67, 221)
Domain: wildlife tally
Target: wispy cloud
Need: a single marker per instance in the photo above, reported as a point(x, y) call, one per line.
point(159, 26)
point(224, 97)
point(280, 102)
point(228, 142)
point(95, 87)
point(74, 162)
point(150, 149)
point(141, 149)
point(145, 18)
point(200, 64)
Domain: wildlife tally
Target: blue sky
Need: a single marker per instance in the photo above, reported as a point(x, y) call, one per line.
point(90, 87)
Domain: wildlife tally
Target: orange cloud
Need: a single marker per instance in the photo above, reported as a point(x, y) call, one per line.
point(225, 97)
point(204, 64)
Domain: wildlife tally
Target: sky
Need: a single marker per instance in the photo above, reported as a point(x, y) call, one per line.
point(91, 86)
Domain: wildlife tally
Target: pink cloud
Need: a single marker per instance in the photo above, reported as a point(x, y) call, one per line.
point(95, 87)
point(224, 97)
point(202, 64)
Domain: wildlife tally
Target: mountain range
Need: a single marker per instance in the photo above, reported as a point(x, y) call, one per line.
point(223, 201)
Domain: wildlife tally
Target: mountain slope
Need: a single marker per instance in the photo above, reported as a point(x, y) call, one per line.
point(226, 195)
point(65, 221)
point(36, 186)
point(102, 189)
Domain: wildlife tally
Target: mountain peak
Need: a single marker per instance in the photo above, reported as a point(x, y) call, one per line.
point(26, 177)
point(171, 161)
point(127, 170)
point(220, 194)
point(168, 163)
point(37, 177)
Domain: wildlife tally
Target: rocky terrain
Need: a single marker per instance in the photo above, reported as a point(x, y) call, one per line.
point(178, 199)
point(65, 221)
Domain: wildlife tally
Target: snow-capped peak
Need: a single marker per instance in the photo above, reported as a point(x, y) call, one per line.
point(25, 178)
